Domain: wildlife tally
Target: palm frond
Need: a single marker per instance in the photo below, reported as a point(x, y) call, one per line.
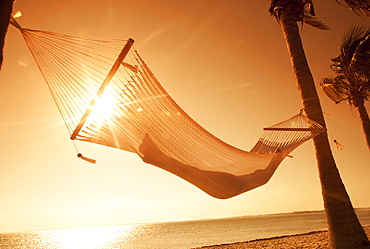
point(361, 58)
point(360, 83)
point(314, 22)
point(350, 41)
point(337, 65)
point(336, 89)
point(360, 7)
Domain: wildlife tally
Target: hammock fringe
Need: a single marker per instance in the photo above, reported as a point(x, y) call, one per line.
point(87, 159)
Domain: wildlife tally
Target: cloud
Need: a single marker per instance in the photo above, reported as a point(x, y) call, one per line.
point(227, 89)
point(235, 87)
point(158, 33)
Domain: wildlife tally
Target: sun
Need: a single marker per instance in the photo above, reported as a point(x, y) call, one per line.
point(104, 107)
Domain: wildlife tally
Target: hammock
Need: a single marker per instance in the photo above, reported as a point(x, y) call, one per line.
point(108, 96)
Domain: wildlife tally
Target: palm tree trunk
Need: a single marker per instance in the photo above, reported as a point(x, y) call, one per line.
point(344, 227)
point(365, 121)
point(6, 7)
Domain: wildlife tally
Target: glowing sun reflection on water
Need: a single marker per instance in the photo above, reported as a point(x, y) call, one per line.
point(94, 237)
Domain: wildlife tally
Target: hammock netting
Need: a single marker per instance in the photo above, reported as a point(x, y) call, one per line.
point(107, 95)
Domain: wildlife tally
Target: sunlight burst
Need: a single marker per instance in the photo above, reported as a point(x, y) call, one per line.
point(104, 107)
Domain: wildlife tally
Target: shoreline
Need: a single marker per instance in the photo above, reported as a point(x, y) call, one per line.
point(314, 239)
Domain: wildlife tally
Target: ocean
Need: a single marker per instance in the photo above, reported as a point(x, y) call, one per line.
point(174, 235)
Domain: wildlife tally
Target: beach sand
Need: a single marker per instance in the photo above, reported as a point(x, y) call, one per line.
point(312, 240)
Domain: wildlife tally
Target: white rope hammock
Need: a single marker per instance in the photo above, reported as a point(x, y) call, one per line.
point(108, 95)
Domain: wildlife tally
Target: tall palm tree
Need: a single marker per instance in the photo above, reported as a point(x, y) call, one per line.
point(6, 7)
point(352, 80)
point(344, 227)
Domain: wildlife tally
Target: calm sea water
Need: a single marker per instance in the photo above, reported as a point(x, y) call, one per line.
point(187, 234)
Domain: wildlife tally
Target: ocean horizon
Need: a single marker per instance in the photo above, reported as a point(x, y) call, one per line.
point(176, 234)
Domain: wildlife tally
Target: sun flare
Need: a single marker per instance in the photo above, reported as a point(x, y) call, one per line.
point(104, 107)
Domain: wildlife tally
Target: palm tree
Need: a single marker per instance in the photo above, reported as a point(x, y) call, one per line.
point(344, 227)
point(352, 80)
point(6, 7)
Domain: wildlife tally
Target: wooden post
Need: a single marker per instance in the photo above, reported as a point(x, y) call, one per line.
point(106, 82)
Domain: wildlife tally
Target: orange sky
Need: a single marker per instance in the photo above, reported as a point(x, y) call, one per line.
point(224, 62)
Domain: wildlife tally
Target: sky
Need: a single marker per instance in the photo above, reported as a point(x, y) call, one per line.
point(224, 62)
